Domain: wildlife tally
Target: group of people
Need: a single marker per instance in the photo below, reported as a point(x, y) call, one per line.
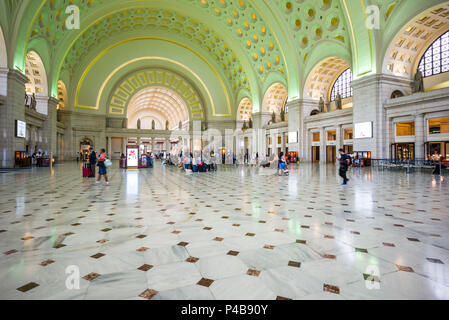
point(199, 161)
point(98, 161)
point(38, 157)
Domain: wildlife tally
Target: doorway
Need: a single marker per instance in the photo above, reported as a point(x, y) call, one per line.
point(403, 151)
point(315, 154)
point(331, 154)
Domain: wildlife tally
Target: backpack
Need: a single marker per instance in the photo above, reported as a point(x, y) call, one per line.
point(350, 160)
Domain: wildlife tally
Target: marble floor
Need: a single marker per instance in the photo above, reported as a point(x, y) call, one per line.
point(240, 233)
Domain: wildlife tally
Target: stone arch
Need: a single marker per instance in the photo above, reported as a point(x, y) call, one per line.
point(397, 94)
point(275, 98)
point(62, 95)
point(35, 71)
point(128, 86)
point(404, 52)
point(321, 79)
point(244, 111)
point(159, 104)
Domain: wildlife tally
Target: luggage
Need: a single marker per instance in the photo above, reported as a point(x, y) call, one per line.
point(87, 172)
point(195, 168)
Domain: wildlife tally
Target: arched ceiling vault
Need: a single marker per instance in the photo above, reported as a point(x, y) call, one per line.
point(238, 22)
point(251, 42)
point(405, 50)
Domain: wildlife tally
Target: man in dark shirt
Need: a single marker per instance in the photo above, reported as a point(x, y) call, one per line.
point(92, 162)
point(345, 161)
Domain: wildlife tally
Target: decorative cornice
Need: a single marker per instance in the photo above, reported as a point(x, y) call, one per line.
point(330, 115)
point(380, 78)
point(419, 98)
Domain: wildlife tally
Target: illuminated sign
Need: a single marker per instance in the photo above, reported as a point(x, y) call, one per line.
point(293, 137)
point(363, 130)
point(21, 129)
point(133, 157)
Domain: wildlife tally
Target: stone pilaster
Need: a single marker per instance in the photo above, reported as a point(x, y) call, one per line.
point(258, 141)
point(50, 125)
point(420, 131)
point(323, 149)
point(12, 109)
point(370, 94)
point(294, 124)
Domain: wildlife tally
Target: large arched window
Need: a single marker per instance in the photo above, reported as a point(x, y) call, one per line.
point(343, 86)
point(436, 58)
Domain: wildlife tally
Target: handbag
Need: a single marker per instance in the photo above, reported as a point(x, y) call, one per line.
point(107, 163)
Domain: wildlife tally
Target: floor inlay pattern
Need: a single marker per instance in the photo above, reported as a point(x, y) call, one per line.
point(239, 233)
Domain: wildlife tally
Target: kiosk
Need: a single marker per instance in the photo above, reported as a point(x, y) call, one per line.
point(132, 157)
point(362, 159)
point(144, 161)
point(22, 160)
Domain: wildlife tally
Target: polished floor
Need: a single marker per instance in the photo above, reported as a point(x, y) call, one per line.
point(240, 233)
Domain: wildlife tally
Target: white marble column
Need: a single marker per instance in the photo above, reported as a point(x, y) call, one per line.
point(340, 137)
point(323, 139)
point(12, 108)
point(420, 133)
point(109, 152)
point(370, 94)
point(50, 124)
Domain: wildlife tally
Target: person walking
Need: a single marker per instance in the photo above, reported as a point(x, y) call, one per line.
point(345, 162)
point(102, 167)
point(92, 162)
point(282, 165)
point(436, 160)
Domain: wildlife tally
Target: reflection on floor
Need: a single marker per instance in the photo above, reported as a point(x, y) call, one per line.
point(234, 234)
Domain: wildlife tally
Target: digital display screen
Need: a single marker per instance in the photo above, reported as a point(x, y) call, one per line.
point(293, 137)
point(21, 129)
point(363, 130)
point(133, 157)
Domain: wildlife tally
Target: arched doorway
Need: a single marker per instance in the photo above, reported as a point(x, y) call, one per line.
point(158, 104)
point(37, 85)
point(85, 144)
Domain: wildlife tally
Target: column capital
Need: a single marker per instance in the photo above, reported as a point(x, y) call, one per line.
point(15, 75)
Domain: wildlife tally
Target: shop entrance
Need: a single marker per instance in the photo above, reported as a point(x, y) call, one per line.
point(331, 154)
point(440, 148)
point(84, 148)
point(349, 149)
point(315, 154)
point(403, 151)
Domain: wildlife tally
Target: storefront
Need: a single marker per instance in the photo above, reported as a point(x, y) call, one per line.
point(439, 147)
point(316, 146)
point(403, 151)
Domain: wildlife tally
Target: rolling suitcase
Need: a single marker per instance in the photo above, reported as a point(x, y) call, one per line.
point(86, 171)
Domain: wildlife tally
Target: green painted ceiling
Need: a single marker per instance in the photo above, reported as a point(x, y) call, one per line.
point(250, 43)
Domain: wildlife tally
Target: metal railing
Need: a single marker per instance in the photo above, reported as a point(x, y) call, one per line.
point(440, 167)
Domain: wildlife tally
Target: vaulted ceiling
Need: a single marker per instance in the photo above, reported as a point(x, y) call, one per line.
point(245, 45)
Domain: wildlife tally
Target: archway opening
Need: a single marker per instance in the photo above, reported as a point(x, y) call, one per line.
point(407, 48)
point(275, 98)
point(62, 95)
point(158, 106)
point(323, 76)
point(35, 71)
point(245, 110)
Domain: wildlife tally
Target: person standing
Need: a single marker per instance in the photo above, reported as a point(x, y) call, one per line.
point(345, 162)
point(92, 162)
point(102, 167)
point(436, 158)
